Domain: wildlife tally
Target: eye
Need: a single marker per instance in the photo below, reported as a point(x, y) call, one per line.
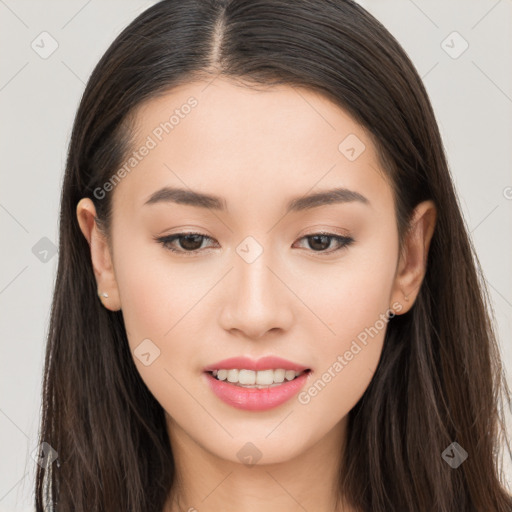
point(190, 243)
point(321, 241)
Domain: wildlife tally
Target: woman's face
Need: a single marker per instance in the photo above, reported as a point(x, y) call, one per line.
point(253, 284)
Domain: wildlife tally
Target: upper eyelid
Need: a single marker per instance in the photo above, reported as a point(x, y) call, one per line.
point(174, 236)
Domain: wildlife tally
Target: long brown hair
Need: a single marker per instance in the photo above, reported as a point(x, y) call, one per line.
point(439, 379)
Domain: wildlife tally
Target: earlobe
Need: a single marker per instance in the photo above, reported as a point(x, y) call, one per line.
point(101, 257)
point(412, 265)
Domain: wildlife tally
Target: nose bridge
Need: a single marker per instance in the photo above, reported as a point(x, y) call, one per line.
point(255, 282)
point(256, 302)
point(253, 278)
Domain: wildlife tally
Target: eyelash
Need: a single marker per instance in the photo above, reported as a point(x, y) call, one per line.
point(345, 242)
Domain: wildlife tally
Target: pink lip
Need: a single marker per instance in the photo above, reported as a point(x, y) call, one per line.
point(265, 363)
point(254, 399)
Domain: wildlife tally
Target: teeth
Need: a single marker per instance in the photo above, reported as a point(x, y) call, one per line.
point(256, 379)
point(263, 377)
point(289, 375)
point(233, 375)
point(248, 377)
point(279, 375)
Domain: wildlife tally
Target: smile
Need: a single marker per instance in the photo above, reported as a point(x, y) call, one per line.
point(256, 397)
point(256, 379)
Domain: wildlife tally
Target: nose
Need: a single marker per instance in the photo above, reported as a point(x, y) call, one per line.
point(257, 300)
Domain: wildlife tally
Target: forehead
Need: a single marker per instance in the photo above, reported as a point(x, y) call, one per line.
point(221, 137)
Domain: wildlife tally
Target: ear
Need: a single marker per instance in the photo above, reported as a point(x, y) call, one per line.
point(412, 264)
point(100, 254)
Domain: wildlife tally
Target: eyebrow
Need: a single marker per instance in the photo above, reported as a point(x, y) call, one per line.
point(306, 202)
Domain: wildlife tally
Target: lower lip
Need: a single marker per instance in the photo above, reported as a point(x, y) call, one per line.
point(254, 399)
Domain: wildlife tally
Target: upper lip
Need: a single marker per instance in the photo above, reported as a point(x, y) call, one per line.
point(264, 363)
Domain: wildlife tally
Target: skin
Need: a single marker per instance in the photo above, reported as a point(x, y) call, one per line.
point(257, 149)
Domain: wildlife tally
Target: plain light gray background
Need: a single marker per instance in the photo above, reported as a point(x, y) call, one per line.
point(471, 92)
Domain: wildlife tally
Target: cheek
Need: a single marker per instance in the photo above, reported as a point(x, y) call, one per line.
point(146, 297)
point(163, 308)
point(353, 293)
point(157, 296)
point(159, 316)
point(155, 300)
point(354, 304)
point(346, 360)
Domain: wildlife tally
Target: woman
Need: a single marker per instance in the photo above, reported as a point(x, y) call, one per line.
point(266, 294)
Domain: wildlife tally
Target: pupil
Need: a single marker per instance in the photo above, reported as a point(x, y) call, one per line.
point(189, 239)
point(323, 246)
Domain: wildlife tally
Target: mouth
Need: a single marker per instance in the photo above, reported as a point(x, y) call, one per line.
point(263, 386)
point(260, 379)
point(256, 385)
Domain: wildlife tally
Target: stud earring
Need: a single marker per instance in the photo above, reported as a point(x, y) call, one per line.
point(103, 294)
